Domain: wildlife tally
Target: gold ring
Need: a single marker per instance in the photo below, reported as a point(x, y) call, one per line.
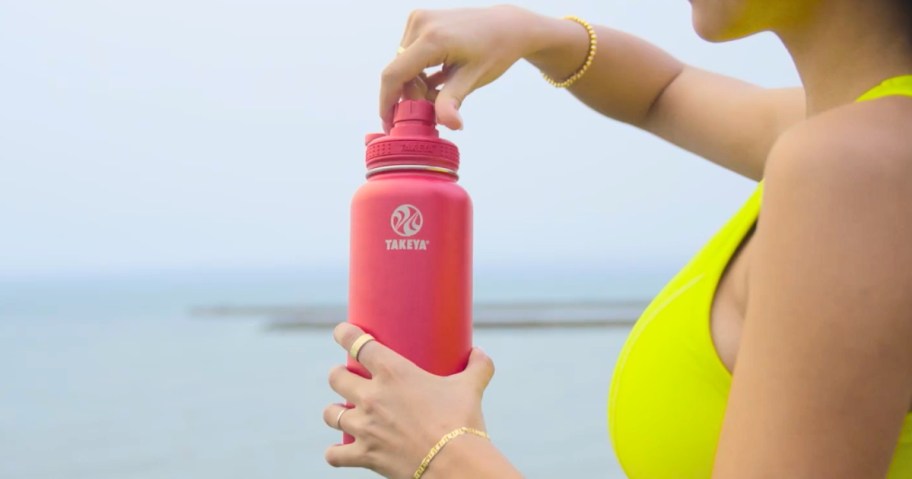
point(359, 343)
point(339, 418)
point(400, 50)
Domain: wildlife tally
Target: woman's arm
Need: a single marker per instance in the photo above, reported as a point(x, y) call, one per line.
point(722, 119)
point(719, 118)
point(471, 456)
point(824, 372)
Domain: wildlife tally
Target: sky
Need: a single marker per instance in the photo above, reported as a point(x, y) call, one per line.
point(167, 135)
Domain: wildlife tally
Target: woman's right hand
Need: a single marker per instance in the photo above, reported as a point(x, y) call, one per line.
point(475, 46)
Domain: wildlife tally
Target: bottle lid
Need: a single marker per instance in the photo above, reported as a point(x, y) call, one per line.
point(412, 140)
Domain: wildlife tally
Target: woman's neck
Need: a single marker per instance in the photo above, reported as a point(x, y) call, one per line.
point(847, 47)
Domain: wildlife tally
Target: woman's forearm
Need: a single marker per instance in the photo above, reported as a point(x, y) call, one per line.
point(471, 456)
point(722, 119)
point(626, 77)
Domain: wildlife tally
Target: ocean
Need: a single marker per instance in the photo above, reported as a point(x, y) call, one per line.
point(117, 379)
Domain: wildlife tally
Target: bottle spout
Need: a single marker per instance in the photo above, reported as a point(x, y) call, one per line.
point(414, 118)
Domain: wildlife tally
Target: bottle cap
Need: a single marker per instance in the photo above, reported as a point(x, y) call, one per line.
point(412, 140)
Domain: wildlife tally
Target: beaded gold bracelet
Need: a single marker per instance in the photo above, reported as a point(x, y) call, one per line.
point(443, 442)
point(593, 47)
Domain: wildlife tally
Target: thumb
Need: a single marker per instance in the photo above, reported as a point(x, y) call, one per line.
point(451, 96)
point(480, 369)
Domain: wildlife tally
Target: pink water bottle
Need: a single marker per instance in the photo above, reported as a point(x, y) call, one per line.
point(410, 282)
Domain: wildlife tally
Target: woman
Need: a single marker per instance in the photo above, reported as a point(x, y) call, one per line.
point(810, 303)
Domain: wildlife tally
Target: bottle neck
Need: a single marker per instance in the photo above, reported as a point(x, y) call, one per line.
point(413, 169)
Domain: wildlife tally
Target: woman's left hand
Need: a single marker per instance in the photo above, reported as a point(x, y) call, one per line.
point(402, 411)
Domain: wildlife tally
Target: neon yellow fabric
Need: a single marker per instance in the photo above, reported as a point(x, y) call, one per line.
point(670, 389)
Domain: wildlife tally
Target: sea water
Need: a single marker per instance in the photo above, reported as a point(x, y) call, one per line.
point(115, 380)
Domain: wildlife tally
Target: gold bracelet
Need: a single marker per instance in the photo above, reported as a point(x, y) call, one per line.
point(443, 442)
point(593, 46)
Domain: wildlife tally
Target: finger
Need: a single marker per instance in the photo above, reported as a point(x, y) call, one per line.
point(432, 95)
point(439, 77)
point(332, 415)
point(480, 369)
point(348, 455)
point(434, 81)
point(338, 416)
point(377, 358)
point(416, 89)
point(412, 91)
point(405, 67)
point(413, 26)
point(450, 98)
point(348, 384)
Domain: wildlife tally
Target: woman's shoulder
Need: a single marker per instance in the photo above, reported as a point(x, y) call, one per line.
point(858, 148)
point(847, 175)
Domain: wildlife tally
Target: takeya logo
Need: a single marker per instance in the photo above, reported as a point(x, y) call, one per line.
point(398, 244)
point(419, 148)
point(406, 221)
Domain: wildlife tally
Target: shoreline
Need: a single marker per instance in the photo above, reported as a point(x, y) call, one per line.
point(500, 315)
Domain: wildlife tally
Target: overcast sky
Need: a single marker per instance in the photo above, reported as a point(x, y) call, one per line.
point(149, 135)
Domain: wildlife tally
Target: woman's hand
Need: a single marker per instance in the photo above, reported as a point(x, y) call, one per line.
point(475, 46)
point(402, 411)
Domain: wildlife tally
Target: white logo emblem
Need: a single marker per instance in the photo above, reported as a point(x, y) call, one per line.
point(406, 220)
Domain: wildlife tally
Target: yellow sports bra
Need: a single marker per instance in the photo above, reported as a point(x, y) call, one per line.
point(670, 389)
